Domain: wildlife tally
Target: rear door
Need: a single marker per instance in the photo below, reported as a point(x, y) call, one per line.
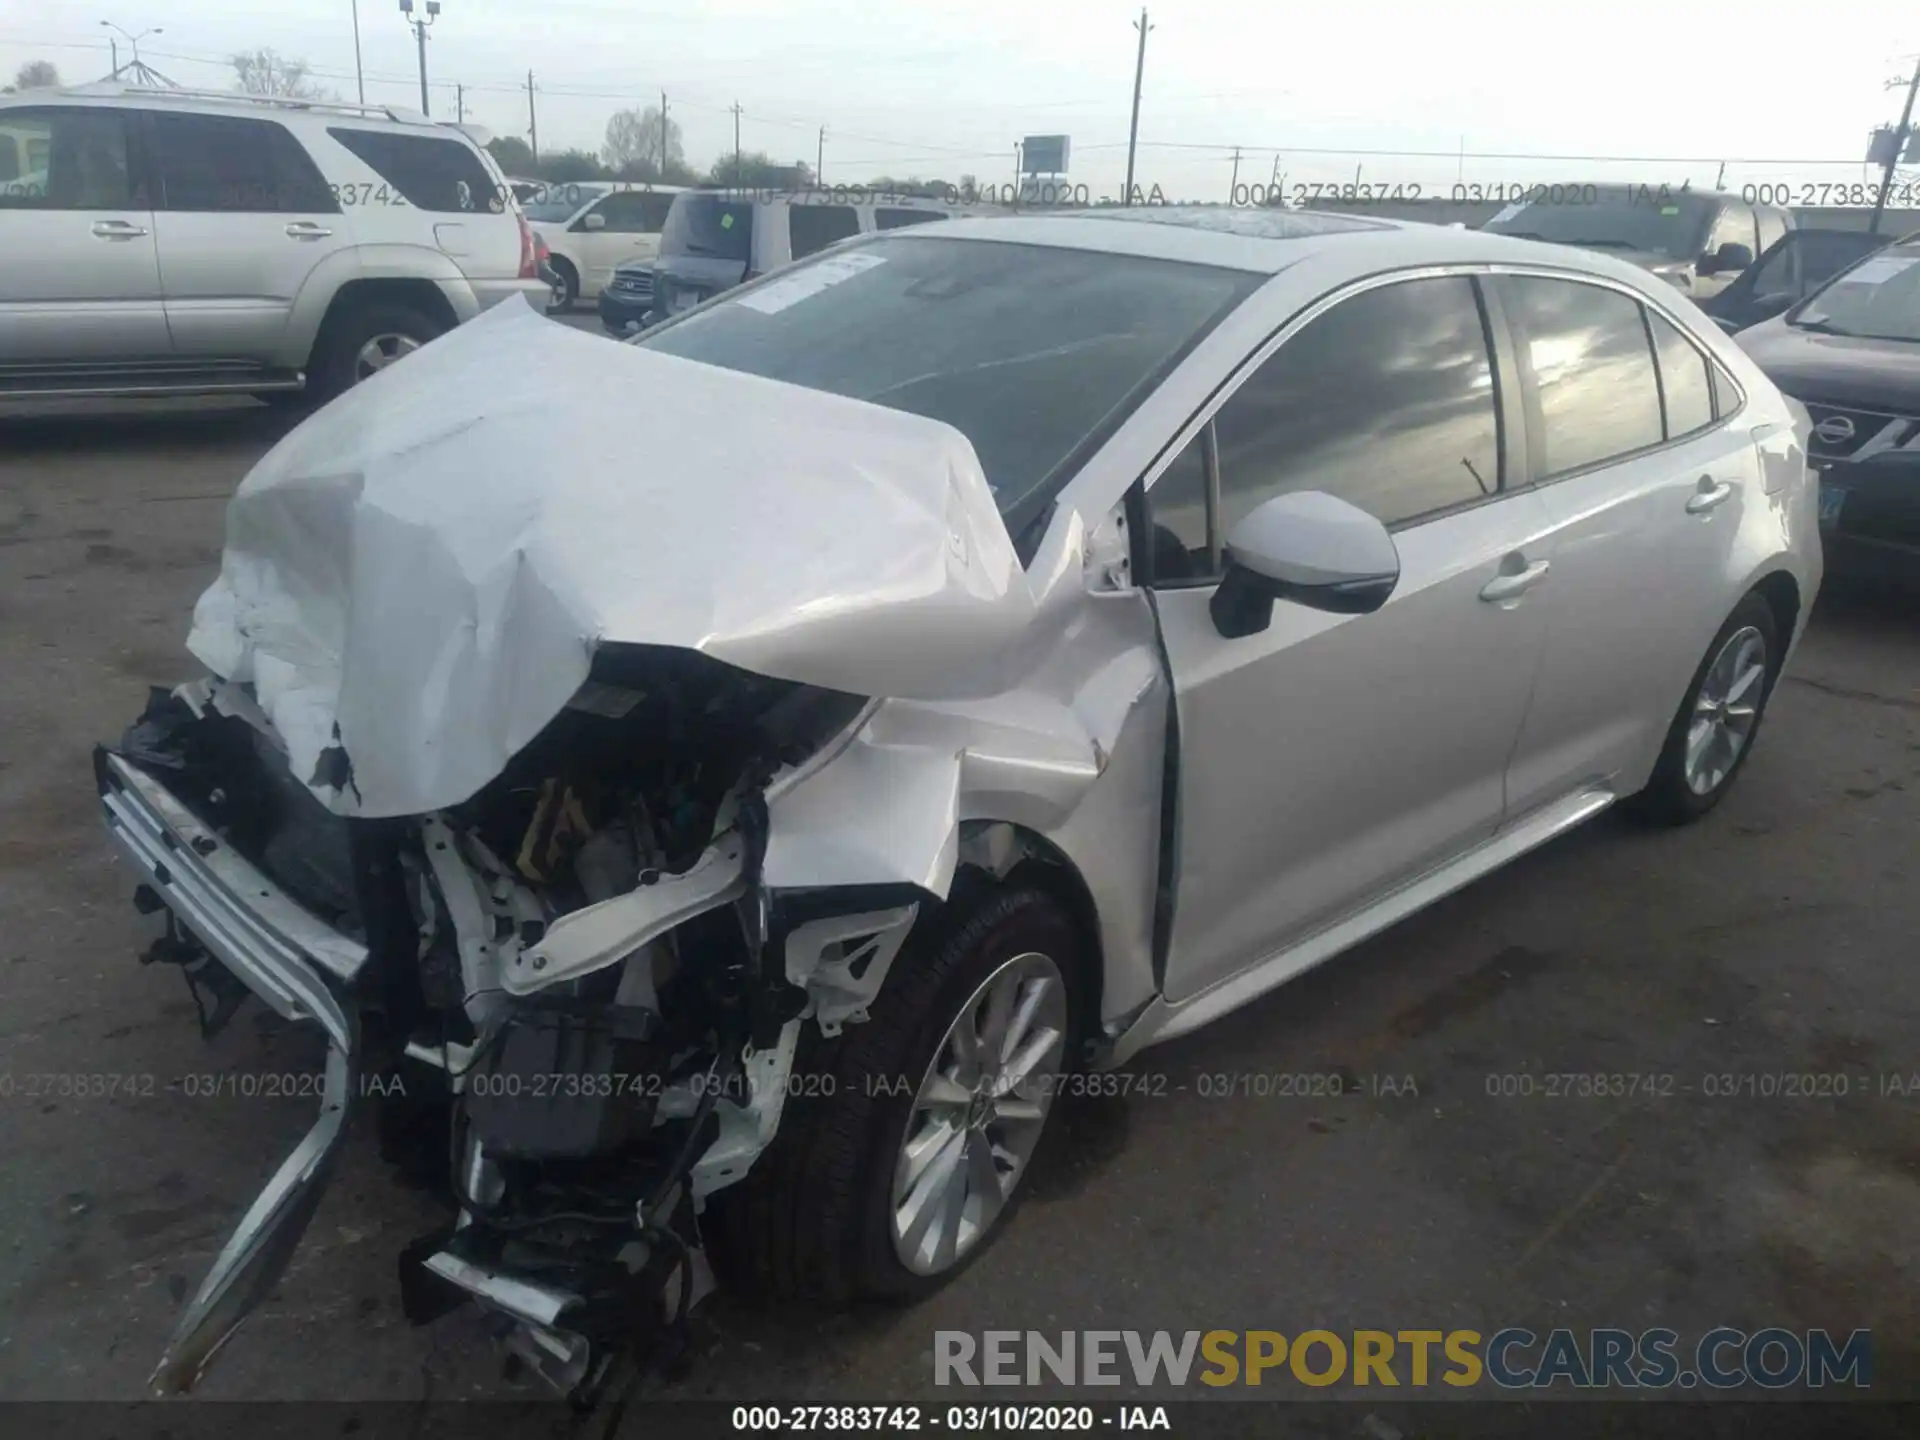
point(243, 218)
point(1644, 481)
point(1331, 757)
point(79, 276)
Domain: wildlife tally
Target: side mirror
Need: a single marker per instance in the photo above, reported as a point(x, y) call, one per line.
point(1311, 548)
point(595, 221)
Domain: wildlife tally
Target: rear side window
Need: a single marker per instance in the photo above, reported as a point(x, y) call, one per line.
point(61, 159)
point(428, 171)
point(890, 218)
point(223, 163)
point(1386, 400)
point(1588, 367)
point(814, 227)
point(1685, 383)
point(710, 226)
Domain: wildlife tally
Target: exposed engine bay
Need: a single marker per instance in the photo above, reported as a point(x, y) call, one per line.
point(589, 1003)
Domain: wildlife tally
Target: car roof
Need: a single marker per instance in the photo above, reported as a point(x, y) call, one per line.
point(115, 94)
point(1268, 241)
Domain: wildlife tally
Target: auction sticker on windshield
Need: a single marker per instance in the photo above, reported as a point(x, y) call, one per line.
point(771, 299)
point(1878, 270)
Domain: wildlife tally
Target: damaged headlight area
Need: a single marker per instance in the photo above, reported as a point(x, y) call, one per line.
point(589, 999)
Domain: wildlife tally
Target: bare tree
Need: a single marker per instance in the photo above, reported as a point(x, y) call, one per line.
point(633, 141)
point(36, 75)
point(265, 72)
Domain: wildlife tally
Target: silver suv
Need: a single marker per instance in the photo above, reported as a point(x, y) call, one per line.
point(179, 242)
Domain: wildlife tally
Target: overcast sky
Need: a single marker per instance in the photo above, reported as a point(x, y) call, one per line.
point(944, 88)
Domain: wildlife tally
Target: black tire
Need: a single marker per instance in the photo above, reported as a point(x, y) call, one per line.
point(1668, 799)
point(570, 281)
point(810, 1222)
point(336, 353)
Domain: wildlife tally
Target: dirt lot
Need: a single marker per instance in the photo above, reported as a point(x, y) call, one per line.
point(1778, 937)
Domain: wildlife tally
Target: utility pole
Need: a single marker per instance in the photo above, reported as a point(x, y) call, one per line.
point(1133, 130)
point(460, 102)
point(663, 135)
point(533, 121)
point(114, 49)
point(736, 143)
point(359, 77)
point(1018, 156)
point(1893, 152)
point(420, 39)
point(1233, 189)
point(820, 158)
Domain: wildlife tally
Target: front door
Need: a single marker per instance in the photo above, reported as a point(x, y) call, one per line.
point(629, 230)
point(79, 282)
point(1330, 758)
point(244, 217)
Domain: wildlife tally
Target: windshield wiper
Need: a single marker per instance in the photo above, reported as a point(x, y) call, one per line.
point(1819, 327)
point(1607, 244)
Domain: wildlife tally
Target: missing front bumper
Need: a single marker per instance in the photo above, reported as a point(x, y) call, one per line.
point(294, 963)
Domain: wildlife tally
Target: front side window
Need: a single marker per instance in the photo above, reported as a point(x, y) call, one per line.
point(428, 172)
point(66, 159)
point(633, 212)
point(1036, 355)
point(1387, 401)
point(812, 228)
point(222, 163)
point(1734, 226)
point(1773, 228)
point(1587, 360)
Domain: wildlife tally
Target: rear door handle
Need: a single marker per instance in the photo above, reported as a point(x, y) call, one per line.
point(1708, 495)
point(307, 230)
point(118, 230)
point(1507, 587)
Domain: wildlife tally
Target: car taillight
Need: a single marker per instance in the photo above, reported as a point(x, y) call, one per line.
point(529, 256)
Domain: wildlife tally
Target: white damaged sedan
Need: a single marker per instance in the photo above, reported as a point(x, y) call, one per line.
point(1018, 642)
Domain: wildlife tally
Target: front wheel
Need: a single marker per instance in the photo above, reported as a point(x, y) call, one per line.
point(1713, 732)
point(906, 1141)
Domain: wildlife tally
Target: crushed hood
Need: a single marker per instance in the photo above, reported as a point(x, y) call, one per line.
point(419, 575)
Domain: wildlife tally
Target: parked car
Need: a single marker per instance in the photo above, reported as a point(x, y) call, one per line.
point(626, 305)
point(715, 239)
point(594, 227)
point(1697, 241)
point(1796, 265)
point(1851, 353)
point(1030, 641)
point(190, 242)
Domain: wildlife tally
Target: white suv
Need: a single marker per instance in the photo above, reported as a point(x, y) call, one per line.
point(181, 242)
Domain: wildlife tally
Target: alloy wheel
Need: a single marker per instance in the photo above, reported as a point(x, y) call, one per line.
point(1725, 710)
point(978, 1113)
point(381, 351)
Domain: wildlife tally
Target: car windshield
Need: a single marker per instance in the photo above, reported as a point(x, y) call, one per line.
point(552, 204)
point(709, 225)
point(1614, 218)
point(1878, 299)
point(1034, 354)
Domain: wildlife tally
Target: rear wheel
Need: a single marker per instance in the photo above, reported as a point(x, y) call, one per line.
point(1713, 732)
point(906, 1141)
point(360, 343)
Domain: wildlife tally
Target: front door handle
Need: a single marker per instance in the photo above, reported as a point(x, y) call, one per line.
point(1506, 587)
point(118, 230)
point(307, 230)
point(1708, 495)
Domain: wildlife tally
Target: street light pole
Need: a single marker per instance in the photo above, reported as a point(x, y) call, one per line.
point(1893, 152)
point(420, 39)
point(1133, 130)
point(359, 77)
point(133, 42)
